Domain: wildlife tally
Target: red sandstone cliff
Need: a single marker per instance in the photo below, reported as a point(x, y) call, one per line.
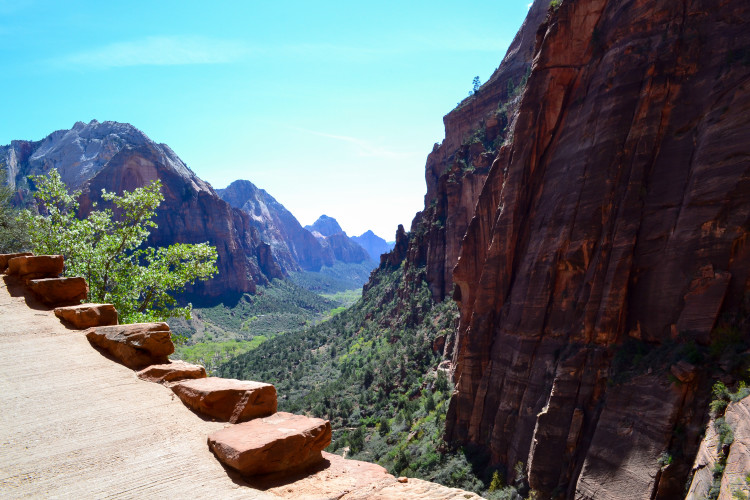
point(620, 210)
point(457, 168)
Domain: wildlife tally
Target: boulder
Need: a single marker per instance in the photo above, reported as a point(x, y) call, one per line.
point(87, 315)
point(281, 442)
point(36, 266)
point(227, 400)
point(135, 346)
point(59, 291)
point(5, 257)
point(169, 372)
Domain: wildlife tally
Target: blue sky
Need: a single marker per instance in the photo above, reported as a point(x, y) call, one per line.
point(332, 107)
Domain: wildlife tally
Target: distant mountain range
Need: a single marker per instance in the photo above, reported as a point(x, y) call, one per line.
point(257, 238)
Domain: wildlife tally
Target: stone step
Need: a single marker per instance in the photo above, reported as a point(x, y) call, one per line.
point(87, 315)
point(5, 257)
point(171, 372)
point(56, 292)
point(137, 345)
point(227, 400)
point(36, 266)
point(281, 442)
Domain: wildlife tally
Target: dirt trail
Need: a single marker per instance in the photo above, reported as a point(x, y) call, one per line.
point(74, 424)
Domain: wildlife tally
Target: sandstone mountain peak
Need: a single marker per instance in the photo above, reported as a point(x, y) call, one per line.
point(326, 226)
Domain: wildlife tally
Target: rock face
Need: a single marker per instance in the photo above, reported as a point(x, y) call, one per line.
point(374, 244)
point(618, 213)
point(456, 169)
point(172, 371)
point(281, 442)
point(293, 246)
point(116, 157)
point(60, 291)
point(88, 315)
point(135, 346)
point(228, 400)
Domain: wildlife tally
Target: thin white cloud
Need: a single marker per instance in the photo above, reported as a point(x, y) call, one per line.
point(158, 51)
point(362, 147)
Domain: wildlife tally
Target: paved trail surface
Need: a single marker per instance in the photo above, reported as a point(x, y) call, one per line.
point(74, 424)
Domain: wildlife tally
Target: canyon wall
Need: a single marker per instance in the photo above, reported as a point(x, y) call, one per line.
point(456, 169)
point(616, 216)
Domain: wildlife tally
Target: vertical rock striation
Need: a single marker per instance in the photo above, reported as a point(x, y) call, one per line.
point(619, 211)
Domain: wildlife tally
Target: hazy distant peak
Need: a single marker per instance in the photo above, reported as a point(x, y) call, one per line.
point(326, 226)
point(374, 244)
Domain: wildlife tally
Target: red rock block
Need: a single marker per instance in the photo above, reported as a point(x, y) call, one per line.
point(5, 257)
point(169, 372)
point(88, 315)
point(281, 442)
point(135, 346)
point(228, 400)
point(36, 266)
point(59, 291)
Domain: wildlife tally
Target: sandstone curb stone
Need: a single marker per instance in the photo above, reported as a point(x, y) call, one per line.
point(170, 372)
point(5, 257)
point(87, 315)
point(59, 291)
point(36, 266)
point(227, 400)
point(137, 345)
point(281, 442)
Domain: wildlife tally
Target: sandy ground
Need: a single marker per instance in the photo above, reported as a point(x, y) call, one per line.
point(75, 424)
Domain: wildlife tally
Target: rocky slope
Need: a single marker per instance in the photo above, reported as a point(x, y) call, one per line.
point(374, 244)
point(116, 157)
point(616, 217)
point(293, 246)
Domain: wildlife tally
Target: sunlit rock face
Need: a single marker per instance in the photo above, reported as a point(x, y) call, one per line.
point(116, 157)
point(293, 246)
point(619, 210)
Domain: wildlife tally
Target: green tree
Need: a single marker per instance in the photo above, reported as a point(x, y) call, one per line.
point(107, 249)
point(14, 234)
point(497, 482)
point(475, 84)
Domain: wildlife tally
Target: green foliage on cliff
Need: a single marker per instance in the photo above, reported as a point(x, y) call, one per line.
point(107, 249)
point(372, 371)
point(14, 235)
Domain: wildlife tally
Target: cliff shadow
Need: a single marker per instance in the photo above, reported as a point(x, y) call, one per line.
point(277, 479)
point(17, 288)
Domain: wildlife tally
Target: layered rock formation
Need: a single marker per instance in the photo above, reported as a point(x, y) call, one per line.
point(116, 157)
point(618, 214)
